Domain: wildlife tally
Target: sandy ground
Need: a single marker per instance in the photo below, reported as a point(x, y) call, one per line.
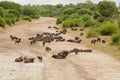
point(84, 66)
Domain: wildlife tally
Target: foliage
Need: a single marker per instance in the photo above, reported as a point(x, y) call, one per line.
point(8, 21)
point(108, 28)
point(31, 11)
point(68, 11)
point(89, 23)
point(107, 8)
point(2, 22)
point(86, 17)
point(118, 22)
point(27, 18)
point(73, 23)
point(85, 11)
point(116, 38)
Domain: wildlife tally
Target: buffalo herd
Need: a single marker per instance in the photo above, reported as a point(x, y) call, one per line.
point(47, 37)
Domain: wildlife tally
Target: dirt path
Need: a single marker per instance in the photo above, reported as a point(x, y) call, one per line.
point(84, 66)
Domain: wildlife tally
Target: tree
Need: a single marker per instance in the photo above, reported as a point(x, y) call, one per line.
point(107, 8)
point(68, 11)
point(31, 11)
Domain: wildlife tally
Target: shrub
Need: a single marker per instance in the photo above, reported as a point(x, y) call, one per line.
point(85, 11)
point(118, 22)
point(92, 33)
point(68, 11)
point(67, 23)
point(107, 28)
point(73, 23)
point(27, 18)
point(101, 19)
point(89, 23)
point(8, 21)
point(36, 17)
point(2, 22)
point(116, 38)
point(72, 16)
point(86, 17)
point(58, 21)
point(13, 20)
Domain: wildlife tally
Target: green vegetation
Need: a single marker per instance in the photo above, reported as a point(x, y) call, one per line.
point(11, 12)
point(2, 22)
point(108, 28)
point(107, 8)
point(116, 38)
point(92, 33)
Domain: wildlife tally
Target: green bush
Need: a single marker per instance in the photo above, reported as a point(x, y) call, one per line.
point(73, 16)
point(118, 22)
point(8, 21)
point(68, 11)
point(36, 17)
point(27, 18)
point(107, 28)
point(86, 17)
point(68, 23)
point(85, 11)
point(2, 22)
point(13, 20)
point(92, 33)
point(89, 23)
point(101, 19)
point(58, 21)
point(116, 38)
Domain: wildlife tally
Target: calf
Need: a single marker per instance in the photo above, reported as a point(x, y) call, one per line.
point(47, 49)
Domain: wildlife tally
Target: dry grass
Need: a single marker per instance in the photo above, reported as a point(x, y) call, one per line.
point(107, 48)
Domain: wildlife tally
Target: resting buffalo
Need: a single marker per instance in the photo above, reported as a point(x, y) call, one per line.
point(61, 55)
point(87, 50)
point(29, 60)
point(20, 59)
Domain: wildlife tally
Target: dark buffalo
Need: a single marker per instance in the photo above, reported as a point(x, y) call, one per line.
point(20, 59)
point(93, 41)
point(47, 49)
point(18, 41)
point(29, 60)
